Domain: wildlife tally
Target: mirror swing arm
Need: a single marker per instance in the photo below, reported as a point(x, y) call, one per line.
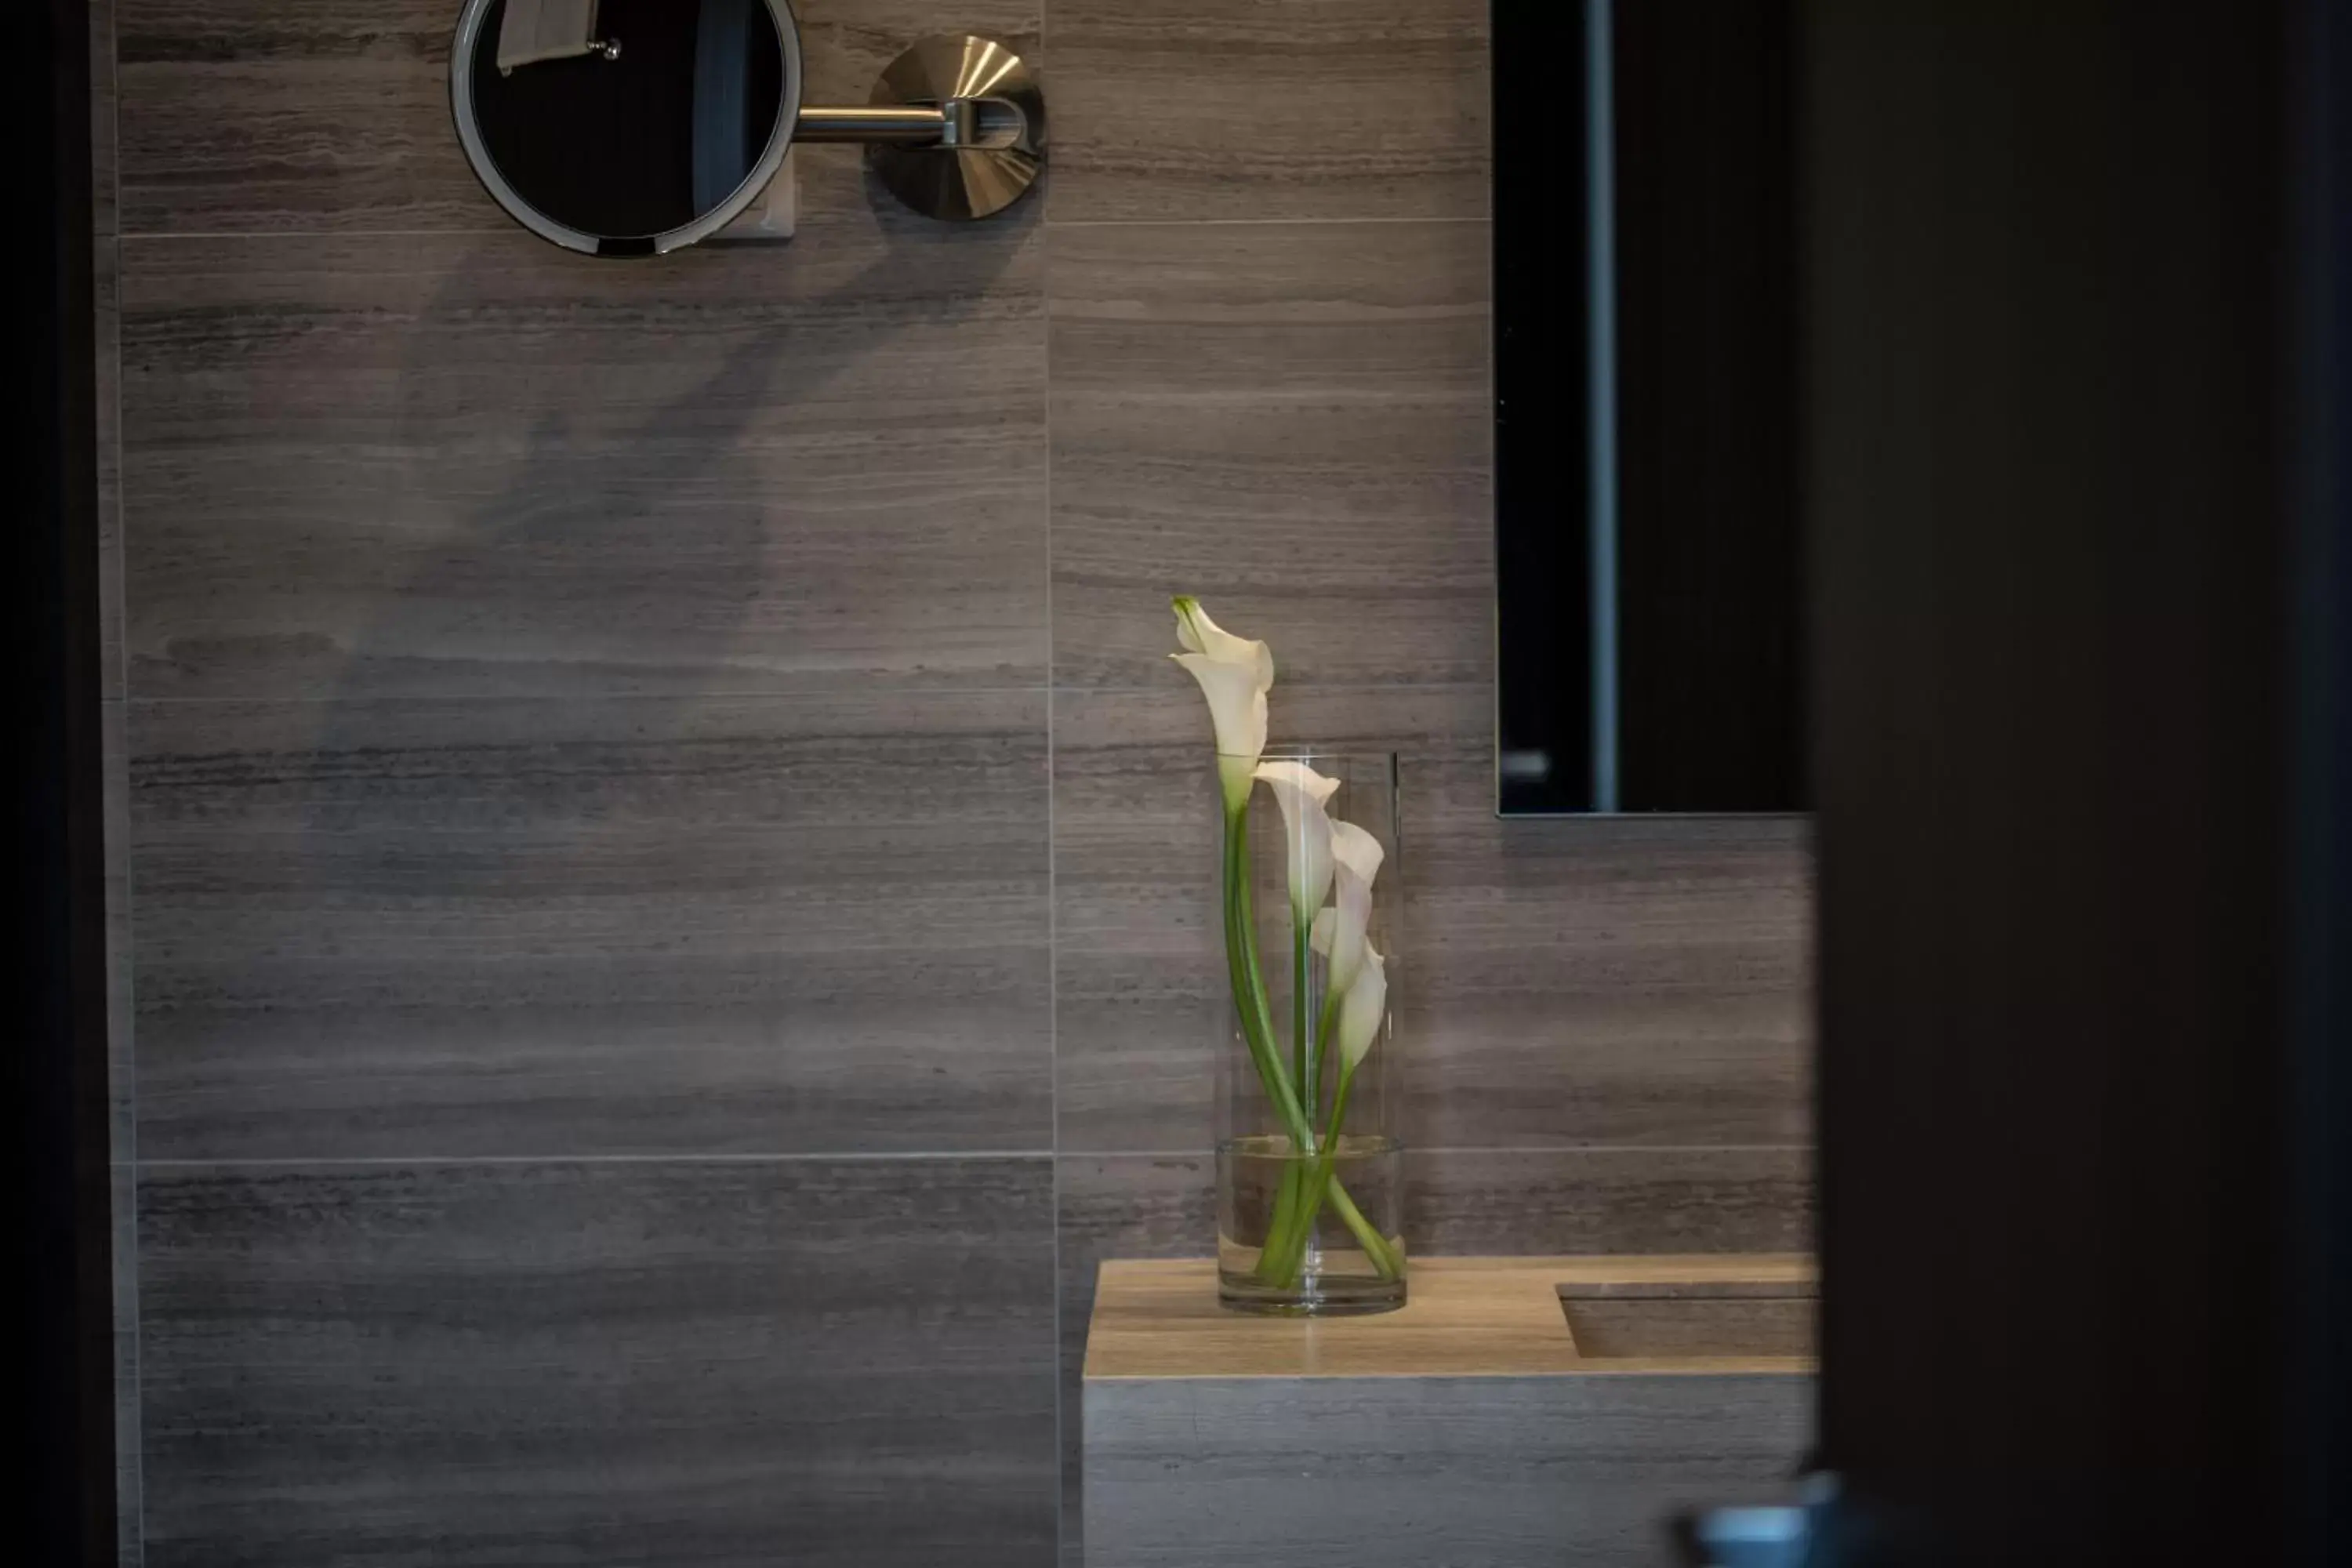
point(970, 98)
point(957, 123)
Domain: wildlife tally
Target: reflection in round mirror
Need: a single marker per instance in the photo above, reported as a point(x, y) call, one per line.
point(625, 127)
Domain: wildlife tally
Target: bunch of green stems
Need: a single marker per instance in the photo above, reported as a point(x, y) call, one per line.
point(1294, 1088)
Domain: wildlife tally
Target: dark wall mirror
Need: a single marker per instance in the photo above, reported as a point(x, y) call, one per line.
point(1646, 408)
point(624, 127)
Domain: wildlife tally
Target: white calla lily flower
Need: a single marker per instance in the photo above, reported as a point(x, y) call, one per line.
point(1201, 635)
point(1338, 933)
point(1327, 921)
point(1357, 850)
point(1363, 1009)
point(1235, 674)
point(1300, 791)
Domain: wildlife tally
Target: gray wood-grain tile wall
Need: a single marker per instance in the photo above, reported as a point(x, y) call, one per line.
point(659, 868)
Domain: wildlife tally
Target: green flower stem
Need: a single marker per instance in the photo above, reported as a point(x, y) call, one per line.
point(1293, 1225)
point(1257, 1028)
point(1325, 1027)
point(1325, 1184)
point(1261, 1009)
point(1322, 1183)
point(1249, 986)
point(1277, 1257)
point(1286, 1241)
point(1302, 1047)
point(1386, 1258)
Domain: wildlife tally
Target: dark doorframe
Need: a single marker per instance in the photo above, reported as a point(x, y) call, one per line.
point(55, 1098)
point(2319, 1007)
point(2077, 354)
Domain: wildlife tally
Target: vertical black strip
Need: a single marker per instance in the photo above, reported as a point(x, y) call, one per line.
point(1542, 420)
point(2054, 545)
point(2319, 1280)
point(1711, 671)
point(56, 1100)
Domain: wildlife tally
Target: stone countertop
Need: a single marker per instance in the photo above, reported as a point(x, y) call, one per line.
point(1471, 1317)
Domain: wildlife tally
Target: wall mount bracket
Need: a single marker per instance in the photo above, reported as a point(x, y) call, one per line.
point(955, 128)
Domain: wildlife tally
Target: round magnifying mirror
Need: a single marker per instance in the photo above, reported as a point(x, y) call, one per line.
point(625, 127)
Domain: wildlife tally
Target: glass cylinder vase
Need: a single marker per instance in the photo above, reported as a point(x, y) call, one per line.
point(1311, 1171)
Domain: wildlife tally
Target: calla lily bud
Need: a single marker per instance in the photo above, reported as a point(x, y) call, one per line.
point(1300, 791)
point(1362, 1010)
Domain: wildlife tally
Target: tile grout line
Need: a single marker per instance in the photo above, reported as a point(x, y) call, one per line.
point(803, 694)
point(1309, 688)
point(1052, 849)
point(1454, 1149)
point(166, 235)
point(1369, 220)
point(934, 1156)
point(125, 1055)
point(118, 677)
point(397, 1162)
point(1053, 862)
point(845, 694)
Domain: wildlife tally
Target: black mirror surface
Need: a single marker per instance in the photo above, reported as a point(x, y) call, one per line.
point(1650, 655)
